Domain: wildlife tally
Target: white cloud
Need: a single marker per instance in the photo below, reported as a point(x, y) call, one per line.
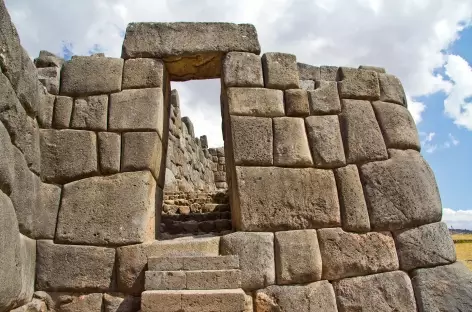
point(430, 147)
point(458, 219)
point(416, 109)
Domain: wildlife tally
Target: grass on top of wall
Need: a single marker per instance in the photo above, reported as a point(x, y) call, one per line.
point(463, 244)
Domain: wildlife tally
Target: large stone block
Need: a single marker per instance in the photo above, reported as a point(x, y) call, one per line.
point(325, 140)
point(90, 113)
point(278, 199)
point(291, 147)
point(132, 260)
point(252, 141)
point(401, 192)
point(443, 288)
point(328, 73)
point(62, 112)
point(398, 126)
point(48, 59)
point(50, 78)
point(280, 71)
point(296, 103)
point(76, 302)
point(297, 257)
point(324, 99)
point(358, 84)
point(165, 280)
point(138, 109)
point(307, 85)
point(354, 213)
point(385, 292)
point(143, 73)
point(308, 72)
point(74, 268)
point(45, 108)
point(45, 215)
point(142, 151)
point(67, 155)
point(347, 254)
point(374, 68)
point(109, 149)
point(213, 279)
point(391, 89)
point(361, 133)
point(89, 75)
point(425, 246)
point(317, 296)
point(112, 210)
point(256, 257)
point(257, 102)
point(242, 69)
point(7, 165)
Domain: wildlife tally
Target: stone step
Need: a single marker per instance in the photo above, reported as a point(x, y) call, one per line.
point(192, 280)
point(221, 300)
point(193, 263)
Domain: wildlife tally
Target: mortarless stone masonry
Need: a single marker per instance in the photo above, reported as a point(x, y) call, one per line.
point(320, 179)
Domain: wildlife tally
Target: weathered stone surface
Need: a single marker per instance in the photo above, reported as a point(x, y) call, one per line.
point(77, 302)
point(50, 78)
point(24, 80)
point(252, 140)
point(257, 102)
point(373, 68)
point(362, 137)
point(317, 296)
point(290, 143)
point(67, 155)
point(425, 246)
point(48, 59)
point(385, 292)
point(224, 300)
point(308, 85)
point(143, 73)
point(139, 109)
point(296, 103)
point(36, 305)
point(324, 99)
point(213, 279)
point(193, 263)
point(358, 84)
point(45, 216)
point(120, 303)
point(443, 288)
point(354, 213)
point(74, 268)
point(7, 172)
point(241, 69)
point(132, 260)
point(325, 140)
point(391, 89)
point(111, 210)
point(328, 73)
point(398, 126)
point(189, 125)
point(280, 71)
point(88, 75)
point(165, 280)
point(401, 192)
point(347, 254)
point(278, 199)
point(308, 72)
point(62, 112)
point(46, 108)
point(142, 151)
point(90, 113)
point(297, 257)
point(256, 257)
point(161, 301)
point(109, 149)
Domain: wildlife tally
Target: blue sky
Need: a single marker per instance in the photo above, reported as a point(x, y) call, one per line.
point(426, 43)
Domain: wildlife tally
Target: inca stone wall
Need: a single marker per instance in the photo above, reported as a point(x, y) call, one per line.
point(332, 206)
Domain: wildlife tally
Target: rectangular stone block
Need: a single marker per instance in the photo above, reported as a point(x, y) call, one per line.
point(391, 89)
point(161, 301)
point(258, 102)
point(354, 213)
point(363, 140)
point(326, 144)
point(165, 264)
point(46, 108)
point(278, 199)
point(138, 109)
point(76, 302)
point(90, 113)
point(142, 151)
point(256, 257)
point(89, 75)
point(346, 254)
point(213, 279)
point(296, 103)
point(67, 155)
point(280, 71)
point(252, 141)
point(308, 72)
point(401, 192)
point(425, 246)
point(290, 143)
point(165, 280)
point(74, 268)
point(222, 300)
point(211, 263)
point(297, 257)
point(329, 73)
point(50, 78)
point(62, 112)
point(242, 69)
point(317, 296)
point(109, 152)
point(99, 210)
point(45, 217)
point(358, 84)
point(398, 126)
point(383, 292)
point(324, 99)
point(143, 73)
point(307, 85)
